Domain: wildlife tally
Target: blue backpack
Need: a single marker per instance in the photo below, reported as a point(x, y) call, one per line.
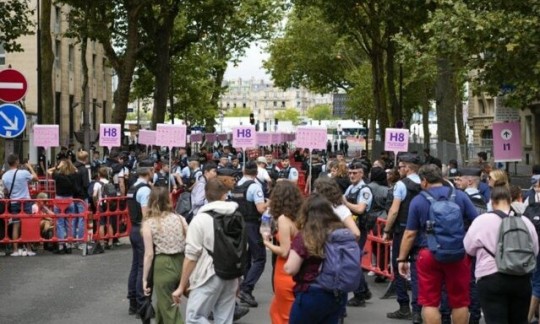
point(340, 271)
point(445, 229)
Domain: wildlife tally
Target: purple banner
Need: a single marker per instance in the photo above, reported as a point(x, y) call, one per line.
point(507, 145)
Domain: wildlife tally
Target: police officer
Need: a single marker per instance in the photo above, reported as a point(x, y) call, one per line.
point(249, 195)
point(358, 199)
point(137, 203)
point(287, 172)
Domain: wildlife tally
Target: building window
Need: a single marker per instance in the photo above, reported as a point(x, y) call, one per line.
point(275, 104)
point(94, 66)
point(244, 105)
point(2, 55)
point(283, 104)
point(234, 105)
point(71, 117)
point(57, 111)
point(528, 130)
point(57, 20)
point(71, 57)
point(57, 53)
point(105, 111)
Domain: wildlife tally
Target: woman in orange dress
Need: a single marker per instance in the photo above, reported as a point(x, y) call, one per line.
point(285, 203)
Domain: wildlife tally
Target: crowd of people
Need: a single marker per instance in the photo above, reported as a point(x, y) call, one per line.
point(445, 224)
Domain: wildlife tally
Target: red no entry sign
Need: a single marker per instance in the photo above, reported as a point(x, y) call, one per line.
point(13, 85)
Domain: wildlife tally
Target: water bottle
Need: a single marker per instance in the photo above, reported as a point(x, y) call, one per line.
point(266, 224)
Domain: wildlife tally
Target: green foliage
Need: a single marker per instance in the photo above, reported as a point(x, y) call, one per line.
point(238, 112)
point(14, 23)
point(320, 112)
point(290, 114)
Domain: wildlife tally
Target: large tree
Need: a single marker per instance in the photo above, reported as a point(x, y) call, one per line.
point(14, 23)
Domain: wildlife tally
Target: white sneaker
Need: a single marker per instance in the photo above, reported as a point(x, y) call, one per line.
point(371, 273)
point(18, 253)
point(82, 246)
point(30, 253)
point(24, 252)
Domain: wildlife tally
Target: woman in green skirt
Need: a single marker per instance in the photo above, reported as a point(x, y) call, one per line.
point(164, 235)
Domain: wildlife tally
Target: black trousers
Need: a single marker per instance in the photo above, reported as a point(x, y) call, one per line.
point(505, 298)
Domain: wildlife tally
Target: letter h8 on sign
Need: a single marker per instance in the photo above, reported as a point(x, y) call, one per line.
point(397, 140)
point(110, 135)
point(244, 137)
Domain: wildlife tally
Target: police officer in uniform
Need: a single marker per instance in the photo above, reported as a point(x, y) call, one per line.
point(287, 172)
point(137, 203)
point(358, 199)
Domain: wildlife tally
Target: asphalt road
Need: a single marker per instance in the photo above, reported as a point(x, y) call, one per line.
point(73, 289)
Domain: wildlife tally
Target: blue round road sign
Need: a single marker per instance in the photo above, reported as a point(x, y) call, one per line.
point(12, 121)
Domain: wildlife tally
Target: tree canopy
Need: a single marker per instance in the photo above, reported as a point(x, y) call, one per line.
point(14, 23)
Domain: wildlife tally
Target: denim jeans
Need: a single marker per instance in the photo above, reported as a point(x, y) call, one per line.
point(256, 257)
point(317, 305)
point(63, 224)
point(77, 223)
point(135, 288)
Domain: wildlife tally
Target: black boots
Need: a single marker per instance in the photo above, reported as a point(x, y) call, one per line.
point(404, 313)
point(133, 306)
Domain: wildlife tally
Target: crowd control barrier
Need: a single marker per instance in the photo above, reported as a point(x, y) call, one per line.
point(376, 256)
point(113, 212)
point(43, 220)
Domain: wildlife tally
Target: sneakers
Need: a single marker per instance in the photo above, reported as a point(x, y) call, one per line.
point(371, 274)
point(356, 302)
point(404, 313)
point(416, 318)
point(29, 253)
point(18, 253)
point(248, 299)
point(240, 311)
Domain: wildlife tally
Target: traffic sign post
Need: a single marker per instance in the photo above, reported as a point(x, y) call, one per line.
point(13, 85)
point(12, 121)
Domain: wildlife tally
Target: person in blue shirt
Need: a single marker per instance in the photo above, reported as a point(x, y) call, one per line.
point(432, 273)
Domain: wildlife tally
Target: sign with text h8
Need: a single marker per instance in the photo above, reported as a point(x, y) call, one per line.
point(171, 135)
point(507, 142)
point(397, 140)
point(147, 137)
point(110, 135)
point(311, 137)
point(46, 136)
point(244, 137)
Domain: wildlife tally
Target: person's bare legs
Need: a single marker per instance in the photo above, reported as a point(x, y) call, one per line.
point(460, 315)
point(431, 315)
point(15, 232)
point(535, 303)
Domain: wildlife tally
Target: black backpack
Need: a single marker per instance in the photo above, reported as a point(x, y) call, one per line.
point(532, 212)
point(108, 190)
point(230, 245)
point(162, 180)
point(478, 201)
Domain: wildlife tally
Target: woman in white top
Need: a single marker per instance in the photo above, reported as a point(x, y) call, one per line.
point(164, 235)
point(330, 189)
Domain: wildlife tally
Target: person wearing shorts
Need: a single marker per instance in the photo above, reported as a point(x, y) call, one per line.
point(432, 273)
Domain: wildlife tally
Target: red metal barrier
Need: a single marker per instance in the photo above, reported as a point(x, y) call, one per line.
point(376, 256)
point(33, 213)
point(112, 212)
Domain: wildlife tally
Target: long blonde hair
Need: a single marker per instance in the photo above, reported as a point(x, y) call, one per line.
point(317, 220)
point(159, 203)
point(66, 167)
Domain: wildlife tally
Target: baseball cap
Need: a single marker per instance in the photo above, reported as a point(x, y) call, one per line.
point(262, 159)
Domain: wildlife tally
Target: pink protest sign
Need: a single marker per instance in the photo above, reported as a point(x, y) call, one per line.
point(195, 137)
point(171, 135)
point(210, 138)
point(147, 137)
point(311, 137)
point(264, 139)
point(507, 145)
point(397, 140)
point(277, 138)
point(46, 136)
point(222, 137)
point(110, 135)
point(244, 137)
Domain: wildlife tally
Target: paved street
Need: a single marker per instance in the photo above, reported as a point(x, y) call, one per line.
point(74, 289)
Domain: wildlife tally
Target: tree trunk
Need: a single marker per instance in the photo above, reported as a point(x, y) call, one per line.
point(461, 128)
point(445, 94)
point(379, 93)
point(426, 107)
point(162, 65)
point(47, 60)
point(125, 66)
point(395, 103)
point(219, 73)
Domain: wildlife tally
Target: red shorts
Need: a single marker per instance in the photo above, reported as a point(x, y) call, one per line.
point(432, 274)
